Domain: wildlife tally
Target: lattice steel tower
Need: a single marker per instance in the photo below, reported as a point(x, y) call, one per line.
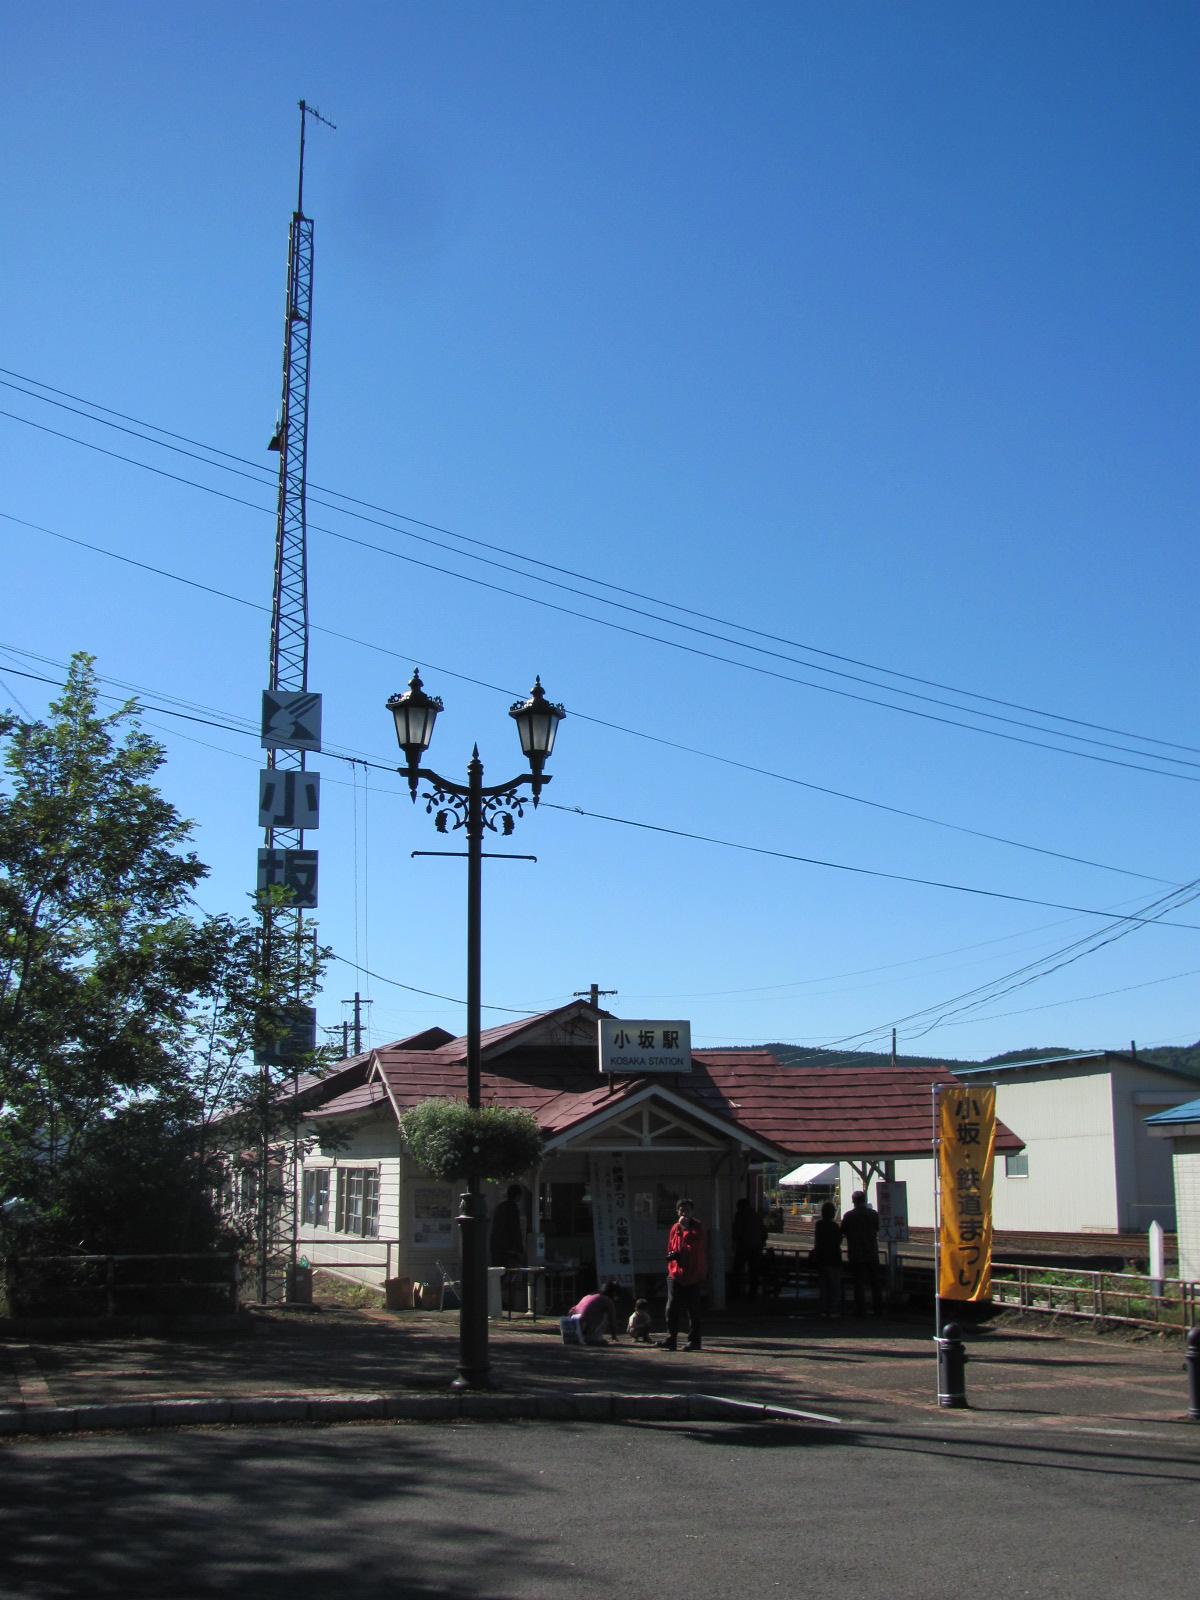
point(289, 607)
point(288, 799)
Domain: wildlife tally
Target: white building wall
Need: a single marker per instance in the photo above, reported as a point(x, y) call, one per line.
point(1145, 1188)
point(1093, 1164)
point(369, 1144)
point(1067, 1127)
point(1187, 1197)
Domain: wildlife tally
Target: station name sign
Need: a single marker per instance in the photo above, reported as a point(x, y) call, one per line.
point(644, 1047)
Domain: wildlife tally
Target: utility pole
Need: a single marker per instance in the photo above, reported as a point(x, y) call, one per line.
point(592, 995)
point(358, 1002)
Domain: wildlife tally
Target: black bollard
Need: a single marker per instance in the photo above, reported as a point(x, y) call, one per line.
point(1192, 1362)
point(951, 1364)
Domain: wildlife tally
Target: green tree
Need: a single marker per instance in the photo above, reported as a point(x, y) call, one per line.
point(98, 956)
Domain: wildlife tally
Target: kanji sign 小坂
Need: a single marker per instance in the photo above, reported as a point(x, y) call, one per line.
point(966, 1124)
point(295, 870)
point(638, 1047)
point(289, 799)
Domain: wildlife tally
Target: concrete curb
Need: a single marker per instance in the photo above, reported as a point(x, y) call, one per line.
point(472, 1405)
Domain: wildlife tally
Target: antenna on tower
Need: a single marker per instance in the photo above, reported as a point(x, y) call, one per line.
point(308, 111)
point(289, 795)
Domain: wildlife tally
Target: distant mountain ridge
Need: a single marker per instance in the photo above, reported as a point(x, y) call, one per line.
point(1180, 1057)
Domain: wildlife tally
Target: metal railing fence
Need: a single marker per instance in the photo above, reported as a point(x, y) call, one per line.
point(1129, 1297)
point(116, 1285)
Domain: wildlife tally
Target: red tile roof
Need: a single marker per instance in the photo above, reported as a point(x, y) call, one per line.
point(808, 1112)
point(827, 1112)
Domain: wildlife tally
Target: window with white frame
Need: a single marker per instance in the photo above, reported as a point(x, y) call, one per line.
point(316, 1198)
point(1017, 1166)
point(358, 1201)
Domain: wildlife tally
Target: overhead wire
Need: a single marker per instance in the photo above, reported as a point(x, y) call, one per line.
point(981, 995)
point(676, 644)
point(261, 475)
point(1031, 972)
point(727, 844)
point(583, 716)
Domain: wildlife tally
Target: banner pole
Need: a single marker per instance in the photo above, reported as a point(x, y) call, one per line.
point(935, 1142)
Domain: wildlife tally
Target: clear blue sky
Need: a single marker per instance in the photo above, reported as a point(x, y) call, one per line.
point(870, 327)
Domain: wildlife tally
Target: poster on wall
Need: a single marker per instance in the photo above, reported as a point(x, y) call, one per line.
point(610, 1220)
point(433, 1217)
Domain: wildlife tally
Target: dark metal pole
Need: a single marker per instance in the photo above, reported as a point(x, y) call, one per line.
point(472, 1323)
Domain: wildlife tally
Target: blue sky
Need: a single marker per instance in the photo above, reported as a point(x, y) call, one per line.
point(872, 328)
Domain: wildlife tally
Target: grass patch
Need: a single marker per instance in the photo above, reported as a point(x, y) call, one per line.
point(329, 1290)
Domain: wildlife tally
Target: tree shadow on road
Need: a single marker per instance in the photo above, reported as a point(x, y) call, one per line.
point(287, 1513)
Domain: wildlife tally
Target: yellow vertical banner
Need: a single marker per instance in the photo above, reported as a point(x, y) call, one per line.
point(966, 1152)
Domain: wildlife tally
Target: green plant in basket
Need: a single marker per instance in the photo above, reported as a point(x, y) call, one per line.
point(449, 1139)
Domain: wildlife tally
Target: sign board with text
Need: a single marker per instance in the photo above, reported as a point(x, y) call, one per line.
point(295, 870)
point(639, 1048)
point(289, 799)
point(891, 1202)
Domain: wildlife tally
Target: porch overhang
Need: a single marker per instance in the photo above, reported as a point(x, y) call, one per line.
point(628, 1122)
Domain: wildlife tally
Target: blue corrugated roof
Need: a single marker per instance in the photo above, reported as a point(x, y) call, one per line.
point(1190, 1112)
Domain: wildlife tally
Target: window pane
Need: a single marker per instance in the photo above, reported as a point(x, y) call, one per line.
point(316, 1199)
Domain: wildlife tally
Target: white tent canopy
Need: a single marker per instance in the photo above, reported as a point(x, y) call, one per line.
point(811, 1172)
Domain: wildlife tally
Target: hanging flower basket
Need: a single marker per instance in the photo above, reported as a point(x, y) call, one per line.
point(450, 1140)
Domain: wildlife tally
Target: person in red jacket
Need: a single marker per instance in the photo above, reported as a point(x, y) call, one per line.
point(687, 1272)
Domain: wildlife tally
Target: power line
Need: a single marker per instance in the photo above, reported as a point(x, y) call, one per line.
point(727, 844)
point(516, 1011)
point(356, 761)
point(674, 644)
point(657, 601)
point(596, 721)
point(1031, 972)
point(841, 866)
point(679, 833)
point(1076, 999)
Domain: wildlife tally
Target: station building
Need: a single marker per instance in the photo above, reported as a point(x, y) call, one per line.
point(618, 1150)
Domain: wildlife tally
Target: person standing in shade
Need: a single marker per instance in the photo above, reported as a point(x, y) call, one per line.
point(860, 1229)
point(749, 1242)
point(827, 1258)
point(508, 1231)
point(687, 1272)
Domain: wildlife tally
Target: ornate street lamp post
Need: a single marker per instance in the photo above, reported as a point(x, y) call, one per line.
point(474, 807)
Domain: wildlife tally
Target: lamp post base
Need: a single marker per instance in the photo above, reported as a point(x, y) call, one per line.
point(473, 1367)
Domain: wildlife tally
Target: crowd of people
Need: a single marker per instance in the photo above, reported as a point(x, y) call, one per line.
point(595, 1318)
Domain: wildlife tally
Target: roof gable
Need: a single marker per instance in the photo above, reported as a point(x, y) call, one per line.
point(572, 1026)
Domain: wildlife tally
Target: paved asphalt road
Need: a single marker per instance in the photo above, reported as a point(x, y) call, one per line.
point(512, 1511)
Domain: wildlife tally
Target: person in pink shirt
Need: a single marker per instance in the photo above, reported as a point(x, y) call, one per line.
point(594, 1313)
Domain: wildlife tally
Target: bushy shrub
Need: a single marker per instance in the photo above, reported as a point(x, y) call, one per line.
point(450, 1140)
